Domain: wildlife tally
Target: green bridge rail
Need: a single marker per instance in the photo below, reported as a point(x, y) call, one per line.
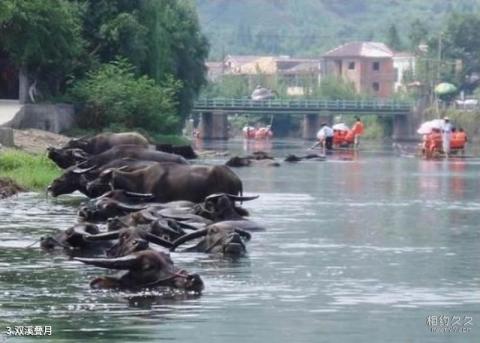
point(286, 106)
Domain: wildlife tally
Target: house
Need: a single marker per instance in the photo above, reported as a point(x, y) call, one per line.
point(296, 73)
point(368, 65)
point(234, 64)
point(214, 70)
point(403, 63)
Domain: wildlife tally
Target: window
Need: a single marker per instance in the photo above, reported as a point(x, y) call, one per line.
point(351, 65)
point(376, 66)
point(376, 86)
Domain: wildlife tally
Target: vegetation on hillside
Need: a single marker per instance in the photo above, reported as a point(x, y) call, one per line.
point(311, 27)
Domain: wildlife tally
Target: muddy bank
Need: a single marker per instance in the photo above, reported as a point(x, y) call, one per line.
point(8, 188)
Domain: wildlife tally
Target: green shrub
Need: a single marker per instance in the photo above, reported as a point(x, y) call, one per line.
point(33, 172)
point(113, 97)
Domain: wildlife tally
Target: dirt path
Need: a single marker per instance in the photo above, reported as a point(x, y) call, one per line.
point(37, 141)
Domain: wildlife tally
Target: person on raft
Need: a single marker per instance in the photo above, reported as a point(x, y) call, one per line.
point(325, 137)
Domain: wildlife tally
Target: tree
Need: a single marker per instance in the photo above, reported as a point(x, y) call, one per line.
point(114, 97)
point(418, 33)
point(42, 38)
point(460, 40)
point(176, 47)
point(393, 39)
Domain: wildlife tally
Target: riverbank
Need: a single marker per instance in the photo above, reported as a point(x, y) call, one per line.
point(32, 172)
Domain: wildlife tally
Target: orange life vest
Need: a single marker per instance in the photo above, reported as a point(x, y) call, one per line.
point(358, 128)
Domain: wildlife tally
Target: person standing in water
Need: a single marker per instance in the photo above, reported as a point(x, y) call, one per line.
point(325, 137)
point(446, 136)
point(357, 131)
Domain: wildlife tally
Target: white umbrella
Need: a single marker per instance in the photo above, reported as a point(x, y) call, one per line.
point(428, 126)
point(340, 127)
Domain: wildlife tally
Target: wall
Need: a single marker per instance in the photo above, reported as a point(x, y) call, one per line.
point(55, 118)
point(385, 76)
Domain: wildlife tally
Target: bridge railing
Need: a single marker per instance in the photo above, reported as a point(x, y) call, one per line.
point(319, 104)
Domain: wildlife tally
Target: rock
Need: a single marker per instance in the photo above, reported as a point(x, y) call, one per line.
point(6, 137)
point(9, 188)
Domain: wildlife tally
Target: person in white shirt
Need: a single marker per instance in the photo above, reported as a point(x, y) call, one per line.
point(446, 135)
point(325, 137)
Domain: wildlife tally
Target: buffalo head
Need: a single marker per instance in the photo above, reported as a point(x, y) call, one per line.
point(65, 158)
point(221, 206)
point(144, 269)
point(73, 179)
point(217, 238)
point(72, 238)
point(130, 239)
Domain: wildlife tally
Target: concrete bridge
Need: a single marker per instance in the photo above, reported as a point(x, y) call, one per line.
point(214, 113)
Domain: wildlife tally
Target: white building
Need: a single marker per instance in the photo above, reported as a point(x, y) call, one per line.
point(403, 62)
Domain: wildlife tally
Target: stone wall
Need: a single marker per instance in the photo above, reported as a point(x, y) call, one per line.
point(49, 117)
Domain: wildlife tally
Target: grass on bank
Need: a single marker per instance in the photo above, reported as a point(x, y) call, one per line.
point(33, 172)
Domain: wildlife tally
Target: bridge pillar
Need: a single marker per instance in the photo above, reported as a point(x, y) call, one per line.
point(405, 126)
point(312, 122)
point(213, 125)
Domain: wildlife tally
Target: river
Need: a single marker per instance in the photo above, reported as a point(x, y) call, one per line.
point(371, 247)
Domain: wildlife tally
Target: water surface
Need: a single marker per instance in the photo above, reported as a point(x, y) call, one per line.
point(359, 248)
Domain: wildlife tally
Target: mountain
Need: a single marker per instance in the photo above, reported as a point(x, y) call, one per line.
point(308, 28)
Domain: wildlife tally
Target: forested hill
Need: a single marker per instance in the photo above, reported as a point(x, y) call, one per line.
point(310, 27)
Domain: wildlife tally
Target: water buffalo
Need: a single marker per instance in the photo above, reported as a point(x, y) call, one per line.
point(130, 239)
point(220, 237)
point(170, 181)
point(295, 158)
point(76, 178)
point(144, 269)
point(221, 206)
point(75, 239)
point(120, 202)
point(65, 158)
point(237, 161)
point(182, 150)
point(112, 204)
point(132, 152)
point(104, 141)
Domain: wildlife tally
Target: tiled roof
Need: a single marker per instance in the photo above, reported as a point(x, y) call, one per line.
point(361, 49)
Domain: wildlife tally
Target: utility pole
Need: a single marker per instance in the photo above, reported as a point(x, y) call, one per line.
point(439, 56)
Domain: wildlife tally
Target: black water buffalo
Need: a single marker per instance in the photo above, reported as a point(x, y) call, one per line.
point(120, 203)
point(170, 182)
point(295, 158)
point(133, 152)
point(130, 239)
point(112, 204)
point(105, 141)
point(238, 161)
point(182, 150)
point(221, 206)
point(76, 178)
point(222, 237)
point(144, 269)
point(65, 158)
point(75, 240)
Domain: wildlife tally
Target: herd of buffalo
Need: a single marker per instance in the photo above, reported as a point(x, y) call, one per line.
point(145, 203)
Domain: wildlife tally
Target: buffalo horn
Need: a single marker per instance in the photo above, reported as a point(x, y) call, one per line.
point(157, 240)
point(242, 198)
point(244, 234)
point(139, 195)
point(83, 170)
point(104, 236)
point(125, 262)
point(188, 237)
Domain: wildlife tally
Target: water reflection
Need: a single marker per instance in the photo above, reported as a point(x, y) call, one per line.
point(360, 247)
